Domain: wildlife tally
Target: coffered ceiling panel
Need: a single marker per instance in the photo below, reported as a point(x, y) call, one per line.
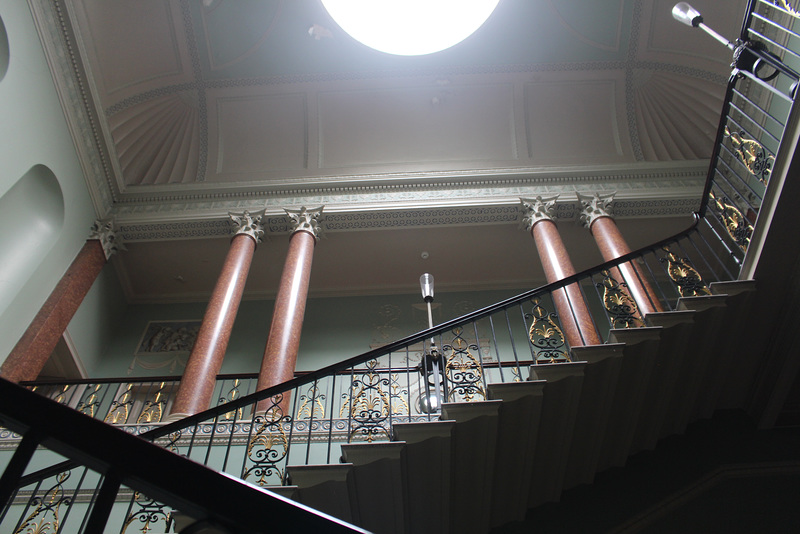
point(437, 123)
point(258, 134)
point(562, 111)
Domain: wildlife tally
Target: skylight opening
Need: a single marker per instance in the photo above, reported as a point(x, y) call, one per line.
point(410, 27)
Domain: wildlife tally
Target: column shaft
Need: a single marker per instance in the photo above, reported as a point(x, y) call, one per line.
point(280, 354)
point(32, 351)
point(612, 245)
point(570, 305)
point(199, 378)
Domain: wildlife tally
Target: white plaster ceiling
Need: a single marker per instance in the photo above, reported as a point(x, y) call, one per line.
point(205, 107)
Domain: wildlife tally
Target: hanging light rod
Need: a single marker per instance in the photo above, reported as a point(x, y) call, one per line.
point(685, 13)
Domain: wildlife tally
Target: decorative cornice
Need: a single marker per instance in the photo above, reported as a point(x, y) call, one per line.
point(419, 217)
point(537, 209)
point(248, 224)
point(306, 220)
point(595, 206)
point(103, 230)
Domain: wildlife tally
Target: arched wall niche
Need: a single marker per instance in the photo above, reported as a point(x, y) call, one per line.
point(4, 50)
point(31, 218)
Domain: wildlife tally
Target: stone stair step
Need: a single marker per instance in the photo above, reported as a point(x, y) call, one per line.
point(559, 409)
point(379, 480)
point(604, 363)
point(473, 458)
point(520, 415)
point(428, 460)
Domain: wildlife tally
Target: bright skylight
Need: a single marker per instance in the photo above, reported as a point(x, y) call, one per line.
point(410, 27)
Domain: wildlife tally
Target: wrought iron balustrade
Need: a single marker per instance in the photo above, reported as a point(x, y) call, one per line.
point(136, 403)
point(760, 94)
point(361, 399)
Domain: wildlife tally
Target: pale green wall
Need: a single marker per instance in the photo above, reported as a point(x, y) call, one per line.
point(34, 132)
point(334, 329)
point(92, 328)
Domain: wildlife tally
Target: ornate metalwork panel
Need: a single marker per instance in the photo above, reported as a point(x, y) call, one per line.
point(148, 513)
point(312, 404)
point(371, 398)
point(269, 446)
point(752, 154)
point(153, 409)
point(463, 370)
point(90, 400)
point(621, 308)
point(737, 226)
point(232, 394)
point(688, 280)
point(545, 335)
point(46, 515)
point(120, 408)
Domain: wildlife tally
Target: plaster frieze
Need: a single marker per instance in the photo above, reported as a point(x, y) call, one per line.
point(419, 217)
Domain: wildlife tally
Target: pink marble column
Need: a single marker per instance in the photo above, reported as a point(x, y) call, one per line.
point(280, 354)
point(199, 378)
point(597, 215)
point(34, 348)
point(573, 313)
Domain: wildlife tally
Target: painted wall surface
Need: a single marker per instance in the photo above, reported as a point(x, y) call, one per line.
point(334, 329)
point(34, 132)
point(92, 328)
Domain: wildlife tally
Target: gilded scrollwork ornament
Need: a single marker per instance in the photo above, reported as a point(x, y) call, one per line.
point(737, 226)
point(463, 370)
point(46, 515)
point(546, 336)
point(153, 409)
point(752, 154)
point(622, 309)
point(373, 396)
point(269, 446)
point(686, 277)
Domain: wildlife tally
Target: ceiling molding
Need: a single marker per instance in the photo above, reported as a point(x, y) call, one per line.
point(347, 221)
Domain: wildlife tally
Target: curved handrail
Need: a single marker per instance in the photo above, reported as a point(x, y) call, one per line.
point(252, 398)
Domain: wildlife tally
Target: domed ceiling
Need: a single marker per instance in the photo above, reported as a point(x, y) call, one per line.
point(200, 107)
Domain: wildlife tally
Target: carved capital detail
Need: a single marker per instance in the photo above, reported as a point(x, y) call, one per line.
point(249, 224)
point(306, 220)
point(537, 209)
point(103, 230)
point(596, 206)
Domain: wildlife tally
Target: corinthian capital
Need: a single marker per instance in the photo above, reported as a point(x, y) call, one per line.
point(249, 224)
point(596, 206)
point(103, 230)
point(306, 220)
point(537, 209)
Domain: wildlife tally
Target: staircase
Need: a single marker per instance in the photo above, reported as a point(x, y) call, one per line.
point(484, 464)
